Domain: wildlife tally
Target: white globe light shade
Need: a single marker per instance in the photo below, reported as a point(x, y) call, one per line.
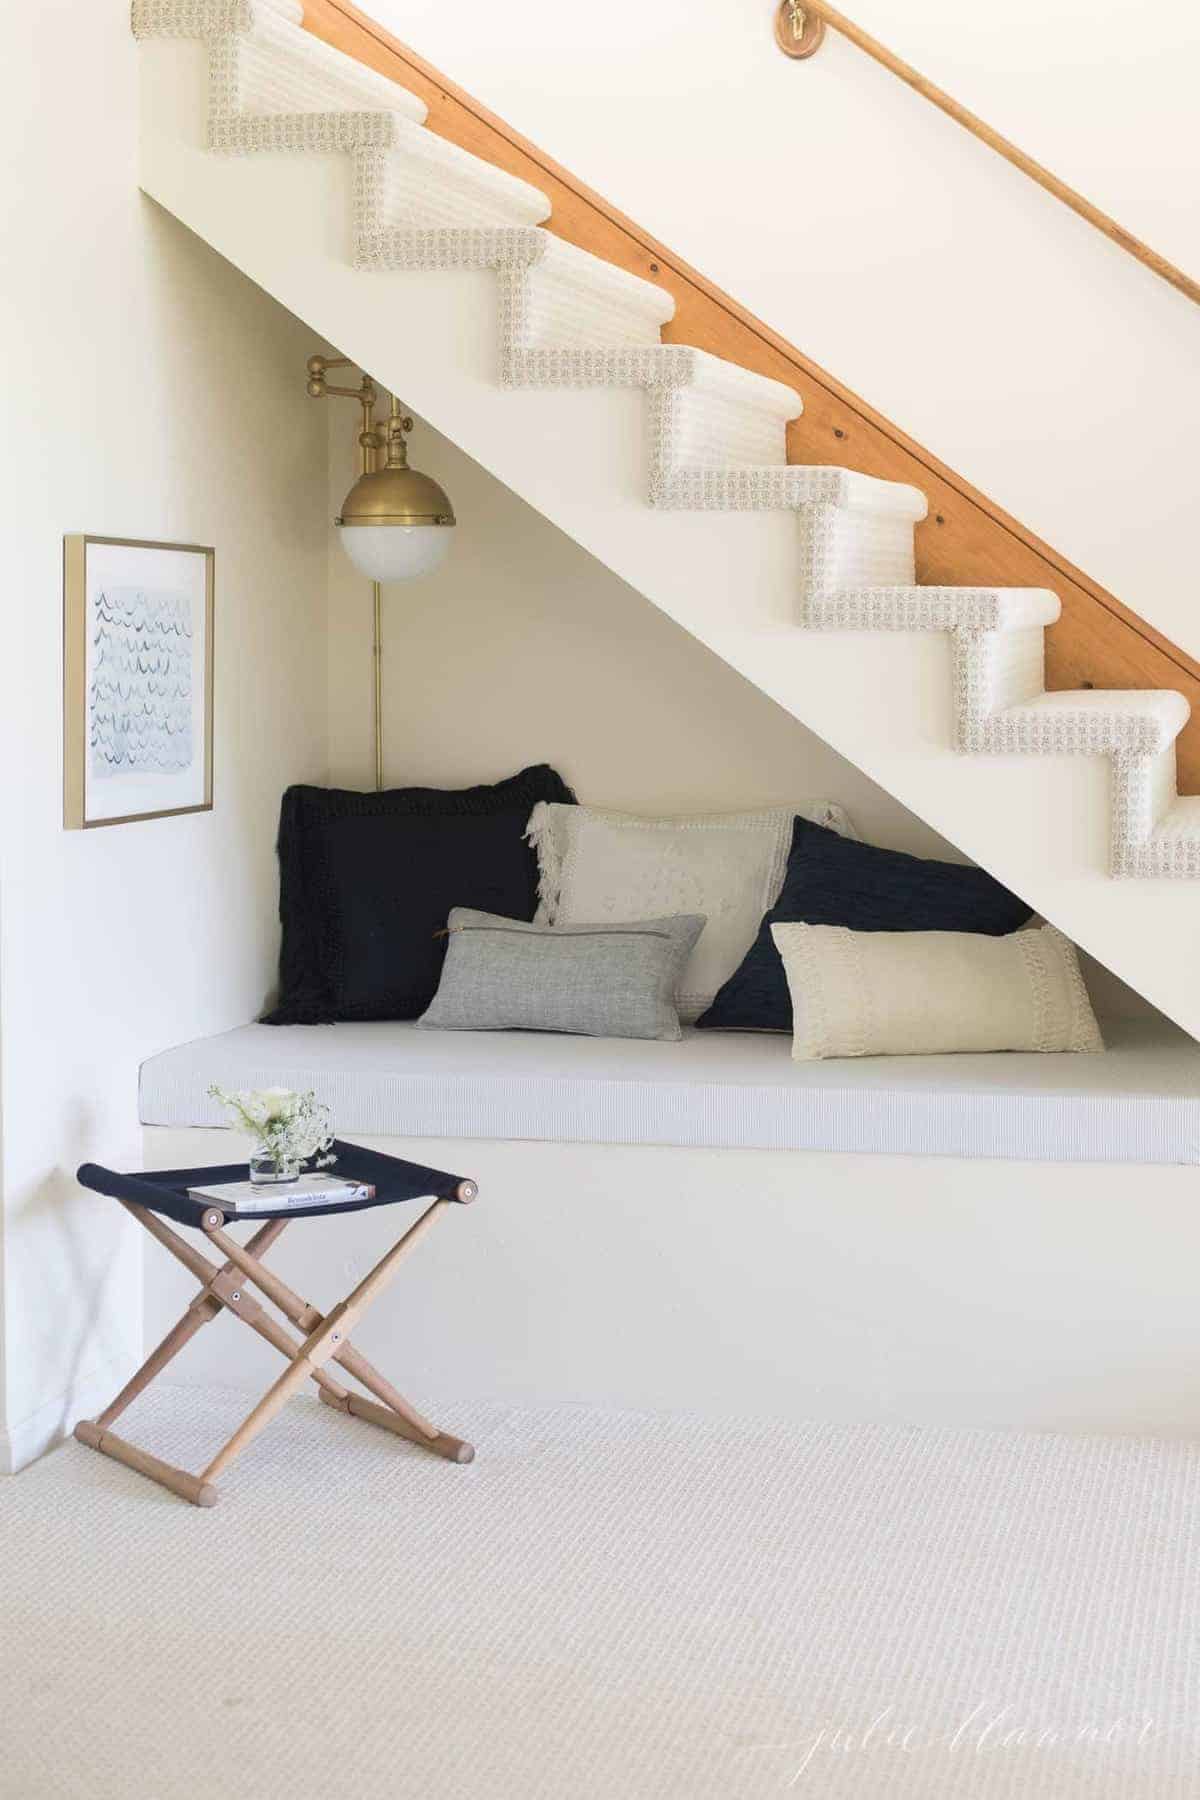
point(396, 523)
point(397, 552)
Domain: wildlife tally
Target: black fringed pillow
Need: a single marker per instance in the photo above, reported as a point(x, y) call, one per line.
point(366, 882)
point(833, 880)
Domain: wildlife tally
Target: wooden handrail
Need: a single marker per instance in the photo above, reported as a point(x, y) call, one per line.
point(820, 9)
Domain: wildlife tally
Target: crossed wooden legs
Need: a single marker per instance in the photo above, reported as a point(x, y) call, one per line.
point(325, 1340)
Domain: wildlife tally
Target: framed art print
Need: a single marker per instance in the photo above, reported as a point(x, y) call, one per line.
point(138, 680)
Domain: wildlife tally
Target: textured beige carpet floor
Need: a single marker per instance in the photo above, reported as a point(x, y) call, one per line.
point(605, 1607)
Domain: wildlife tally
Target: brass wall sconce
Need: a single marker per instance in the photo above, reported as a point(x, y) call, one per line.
point(396, 524)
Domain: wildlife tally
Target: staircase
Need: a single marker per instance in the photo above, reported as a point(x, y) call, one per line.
point(316, 177)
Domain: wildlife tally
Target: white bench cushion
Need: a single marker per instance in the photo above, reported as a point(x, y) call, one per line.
point(1138, 1103)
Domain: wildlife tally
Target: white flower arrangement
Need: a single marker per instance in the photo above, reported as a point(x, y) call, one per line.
point(288, 1127)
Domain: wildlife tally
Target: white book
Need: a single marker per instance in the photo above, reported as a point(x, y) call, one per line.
point(283, 1196)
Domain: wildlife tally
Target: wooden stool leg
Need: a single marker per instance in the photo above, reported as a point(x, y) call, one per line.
point(279, 1339)
point(441, 1443)
point(189, 1487)
point(276, 1397)
point(357, 1365)
point(155, 1363)
point(417, 1428)
point(277, 1291)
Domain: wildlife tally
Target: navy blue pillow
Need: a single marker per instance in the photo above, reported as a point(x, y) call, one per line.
point(366, 883)
point(831, 880)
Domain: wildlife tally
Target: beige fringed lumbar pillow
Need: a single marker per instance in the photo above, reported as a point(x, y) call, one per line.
point(915, 993)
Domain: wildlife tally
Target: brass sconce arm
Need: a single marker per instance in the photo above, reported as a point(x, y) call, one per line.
point(371, 438)
point(366, 393)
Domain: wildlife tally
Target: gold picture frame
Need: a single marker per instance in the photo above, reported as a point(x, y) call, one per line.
point(137, 680)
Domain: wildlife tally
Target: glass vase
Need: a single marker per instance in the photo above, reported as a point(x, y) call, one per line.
point(268, 1167)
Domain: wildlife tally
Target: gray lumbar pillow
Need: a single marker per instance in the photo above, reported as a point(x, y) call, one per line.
point(593, 980)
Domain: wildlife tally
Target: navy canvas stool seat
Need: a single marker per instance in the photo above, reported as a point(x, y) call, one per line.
point(154, 1197)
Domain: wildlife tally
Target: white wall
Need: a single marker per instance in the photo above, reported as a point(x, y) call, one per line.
point(151, 391)
point(1041, 362)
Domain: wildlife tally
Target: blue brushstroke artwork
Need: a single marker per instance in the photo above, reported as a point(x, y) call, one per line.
point(141, 688)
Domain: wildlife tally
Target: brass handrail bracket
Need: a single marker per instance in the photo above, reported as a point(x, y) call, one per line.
point(798, 32)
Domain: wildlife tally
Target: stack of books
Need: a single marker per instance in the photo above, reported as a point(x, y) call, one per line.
point(269, 1196)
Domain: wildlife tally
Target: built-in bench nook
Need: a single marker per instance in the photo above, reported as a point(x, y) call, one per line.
point(707, 1226)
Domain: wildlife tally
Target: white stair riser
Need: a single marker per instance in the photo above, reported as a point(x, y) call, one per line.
point(551, 311)
point(1143, 792)
point(994, 670)
point(706, 431)
point(842, 549)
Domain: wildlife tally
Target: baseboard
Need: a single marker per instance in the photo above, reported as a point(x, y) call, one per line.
point(23, 1441)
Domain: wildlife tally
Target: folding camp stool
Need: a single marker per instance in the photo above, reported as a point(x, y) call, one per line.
point(154, 1197)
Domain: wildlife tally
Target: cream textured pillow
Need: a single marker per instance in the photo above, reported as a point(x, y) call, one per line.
point(597, 866)
point(915, 993)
